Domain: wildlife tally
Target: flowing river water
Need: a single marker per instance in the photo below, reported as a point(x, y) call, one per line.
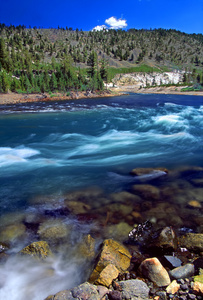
point(83, 151)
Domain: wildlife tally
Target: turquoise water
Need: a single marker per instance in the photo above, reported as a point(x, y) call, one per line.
point(69, 148)
point(49, 150)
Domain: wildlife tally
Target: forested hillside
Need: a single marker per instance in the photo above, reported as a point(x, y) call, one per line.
point(48, 60)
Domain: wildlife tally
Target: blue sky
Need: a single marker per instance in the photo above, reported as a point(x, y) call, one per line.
point(183, 15)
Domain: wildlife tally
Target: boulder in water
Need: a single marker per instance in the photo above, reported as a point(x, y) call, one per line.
point(192, 241)
point(38, 250)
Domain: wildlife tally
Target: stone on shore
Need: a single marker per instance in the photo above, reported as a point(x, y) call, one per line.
point(198, 288)
point(38, 250)
point(183, 271)
point(152, 269)
point(173, 287)
point(134, 289)
point(107, 275)
point(113, 253)
point(192, 241)
point(84, 291)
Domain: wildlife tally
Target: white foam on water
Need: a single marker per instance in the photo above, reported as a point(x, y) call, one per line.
point(23, 279)
point(9, 156)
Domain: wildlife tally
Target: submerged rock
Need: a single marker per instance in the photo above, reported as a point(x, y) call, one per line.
point(192, 241)
point(146, 191)
point(125, 197)
point(87, 247)
point(77, 207)
point(12, 232)
point(53, 231)
point(113, 253)
point(118, 231)
point(39, 250)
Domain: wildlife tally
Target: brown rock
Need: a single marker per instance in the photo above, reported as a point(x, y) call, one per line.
point(112, 253)
point(87, 247)
point(77, 207)
point(53, 231)
point(144, 171)
point(154, 271)
point(194, 204)
point(173, 287)
point(164, 241)
point(125, 197)
point(107, 275)
point(147, 191)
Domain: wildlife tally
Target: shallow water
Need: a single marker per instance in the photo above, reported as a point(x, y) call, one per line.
point(49, 150)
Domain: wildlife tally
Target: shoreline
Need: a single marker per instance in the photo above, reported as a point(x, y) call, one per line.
point(14, 98)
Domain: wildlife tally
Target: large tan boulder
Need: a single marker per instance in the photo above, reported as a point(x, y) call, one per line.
point(107, 275)
point(113, 253)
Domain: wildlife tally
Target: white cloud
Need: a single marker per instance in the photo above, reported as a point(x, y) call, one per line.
point(116, 23)
point(99, 27)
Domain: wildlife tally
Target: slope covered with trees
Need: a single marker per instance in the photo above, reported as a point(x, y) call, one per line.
point(48, 60)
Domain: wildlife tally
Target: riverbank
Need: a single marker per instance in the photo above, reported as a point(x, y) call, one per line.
point(13, 98)
point(174, 90)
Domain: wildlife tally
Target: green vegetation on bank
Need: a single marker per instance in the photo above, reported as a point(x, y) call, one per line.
point(49, 60)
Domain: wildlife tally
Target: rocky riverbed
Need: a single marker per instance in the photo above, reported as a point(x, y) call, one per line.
point(145, 242)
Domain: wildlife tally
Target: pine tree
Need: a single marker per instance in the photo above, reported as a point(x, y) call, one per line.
point(3, 55)
point(4, 80)
point(53, 82)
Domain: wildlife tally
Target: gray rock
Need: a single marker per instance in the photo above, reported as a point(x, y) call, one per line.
point(171, 261)
point(83, 291)
point(182, 272)
point(86, 291)
point(134, 289)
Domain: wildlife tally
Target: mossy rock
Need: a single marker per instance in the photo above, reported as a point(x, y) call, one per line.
point(38, 250)
point(199, 278)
